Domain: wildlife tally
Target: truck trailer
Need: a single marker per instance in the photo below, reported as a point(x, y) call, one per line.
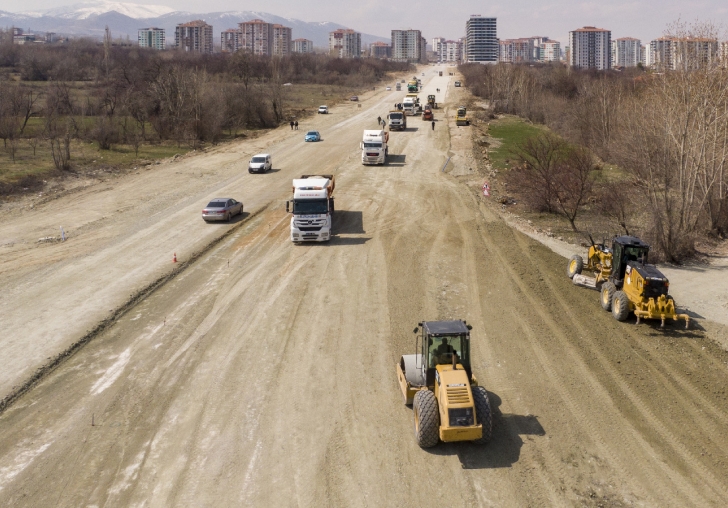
point(374, 148)
point(312, 207)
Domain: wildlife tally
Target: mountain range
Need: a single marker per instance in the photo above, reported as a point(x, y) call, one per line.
point(89, 19)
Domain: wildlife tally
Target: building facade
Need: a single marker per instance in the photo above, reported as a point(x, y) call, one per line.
point(481, 40)
point(683, 53)
point(229, 40)
point(151, 38)
point(451, 51)
point(380, 50)
point(195, 36)
point(302, 46)
point(550, 51)
point(590, 48)
point(408, 46)
point(282, 37)
point(345, 43)
point(516, 50)
point(626, 52)
point(437, 43)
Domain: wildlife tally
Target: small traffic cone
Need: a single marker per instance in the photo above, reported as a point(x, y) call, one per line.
point(174, 258)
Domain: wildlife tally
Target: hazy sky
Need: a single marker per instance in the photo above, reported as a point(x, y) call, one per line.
point(644, 19)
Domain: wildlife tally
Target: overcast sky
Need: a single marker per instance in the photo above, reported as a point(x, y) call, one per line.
point(644, 19)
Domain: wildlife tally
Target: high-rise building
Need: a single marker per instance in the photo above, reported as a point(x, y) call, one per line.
point(516, 50)
point(683, 53)
point(345, 43)
point(626, 52)
point(302, 46)
point(195, 36)
point(408, 46)
point(151, 38)
point(450, 51)
point(262, 38)
point(481, 40)
point(380, 50)
point(282, 37)
point(437, 43)
point(550, 51)
point(229, 40)
point(591, 48)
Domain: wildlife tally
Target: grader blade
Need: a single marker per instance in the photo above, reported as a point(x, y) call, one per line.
point(584, 281)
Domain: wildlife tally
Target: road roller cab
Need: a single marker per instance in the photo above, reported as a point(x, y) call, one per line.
point(447, 402)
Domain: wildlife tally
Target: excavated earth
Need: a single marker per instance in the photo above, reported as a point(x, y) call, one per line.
point(256, 372)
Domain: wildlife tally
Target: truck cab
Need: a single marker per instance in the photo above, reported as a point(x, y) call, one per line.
point(312, 207)
point(374, 148)
point(397, 120)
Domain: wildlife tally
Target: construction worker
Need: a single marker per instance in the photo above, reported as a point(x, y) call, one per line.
point(433, 125)
point(291, 124)
point(379, 120)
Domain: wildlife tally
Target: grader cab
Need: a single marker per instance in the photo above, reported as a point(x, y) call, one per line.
point(626, 281)
point(438, 382)
point(431, 101)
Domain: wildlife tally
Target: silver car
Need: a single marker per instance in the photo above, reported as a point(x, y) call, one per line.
point(222, 209)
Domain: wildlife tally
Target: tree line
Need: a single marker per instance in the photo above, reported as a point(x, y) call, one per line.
point(130, 95)
point(667, 132)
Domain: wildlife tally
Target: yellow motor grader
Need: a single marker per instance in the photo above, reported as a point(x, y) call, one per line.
point(627, 283)
point(438, 382)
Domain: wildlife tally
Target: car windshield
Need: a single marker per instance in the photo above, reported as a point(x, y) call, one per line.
point(312, 133)
point(216, 204)
point(322, 107)
point(396, 116)
point(258, 159)
point(372, 145)
point(310, 206)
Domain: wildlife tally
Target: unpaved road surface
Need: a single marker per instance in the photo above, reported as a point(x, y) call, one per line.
point(263, 373)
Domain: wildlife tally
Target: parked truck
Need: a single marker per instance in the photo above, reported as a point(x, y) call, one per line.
point(312, 207)
point(374, 148)
point(397, 120)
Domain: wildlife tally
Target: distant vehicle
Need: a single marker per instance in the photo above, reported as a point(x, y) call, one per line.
point(397, 120)
point(323, 110)
point(423, 73)
point(354, 98)
point(399, 87)
point(389, 88)
point(457, 83)
point(312, 136)
point(260, 163)
point(221, 209)
point(403, 81)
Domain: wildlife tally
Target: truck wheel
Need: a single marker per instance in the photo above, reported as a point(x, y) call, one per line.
point(427, 419)
point(620, 306)
point(607, 295)
point(483, 413)
point(576, 264)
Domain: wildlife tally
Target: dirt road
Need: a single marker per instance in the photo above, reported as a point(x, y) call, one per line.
point(263, 374)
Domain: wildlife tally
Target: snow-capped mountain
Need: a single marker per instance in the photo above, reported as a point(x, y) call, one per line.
point(124, 19)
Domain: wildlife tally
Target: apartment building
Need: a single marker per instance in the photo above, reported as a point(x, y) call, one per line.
point(437, 43)
point(683, 53)
point(301, 46)
point(345, 43)
point(380, 50)
point(481, 40)
point(590, 48)
point(282, 37)
point(229, 40)
point(195, 36)
point(516, 50)
point(451, 51)
point(409, 46)
point(550, 51)
point(626, 52)
point(151, 38)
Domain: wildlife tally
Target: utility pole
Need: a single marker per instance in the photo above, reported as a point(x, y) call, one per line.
point(107, 49)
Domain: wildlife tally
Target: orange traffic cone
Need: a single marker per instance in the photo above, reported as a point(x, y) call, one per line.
point(174, 259)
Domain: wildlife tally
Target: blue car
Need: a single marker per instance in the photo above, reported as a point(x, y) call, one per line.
point(313, 136)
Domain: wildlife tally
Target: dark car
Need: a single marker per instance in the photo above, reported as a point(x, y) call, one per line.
point(354, 98)
point(222, 209)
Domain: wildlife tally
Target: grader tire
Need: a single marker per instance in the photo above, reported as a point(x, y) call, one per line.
point(607, 295)
point(427, 419)
point(576, 264)
point(483, 414)
point(620, 306)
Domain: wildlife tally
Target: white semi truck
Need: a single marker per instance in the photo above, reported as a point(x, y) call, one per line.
point(411, 104)
point(374, 148)
point(312, 207)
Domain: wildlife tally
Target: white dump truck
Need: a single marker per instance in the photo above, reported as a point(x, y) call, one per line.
point(374, 148)
point(312, 207)
point(411, 104)
point(397, 120)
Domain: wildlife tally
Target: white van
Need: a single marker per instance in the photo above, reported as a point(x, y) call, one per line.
point(260, 163)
